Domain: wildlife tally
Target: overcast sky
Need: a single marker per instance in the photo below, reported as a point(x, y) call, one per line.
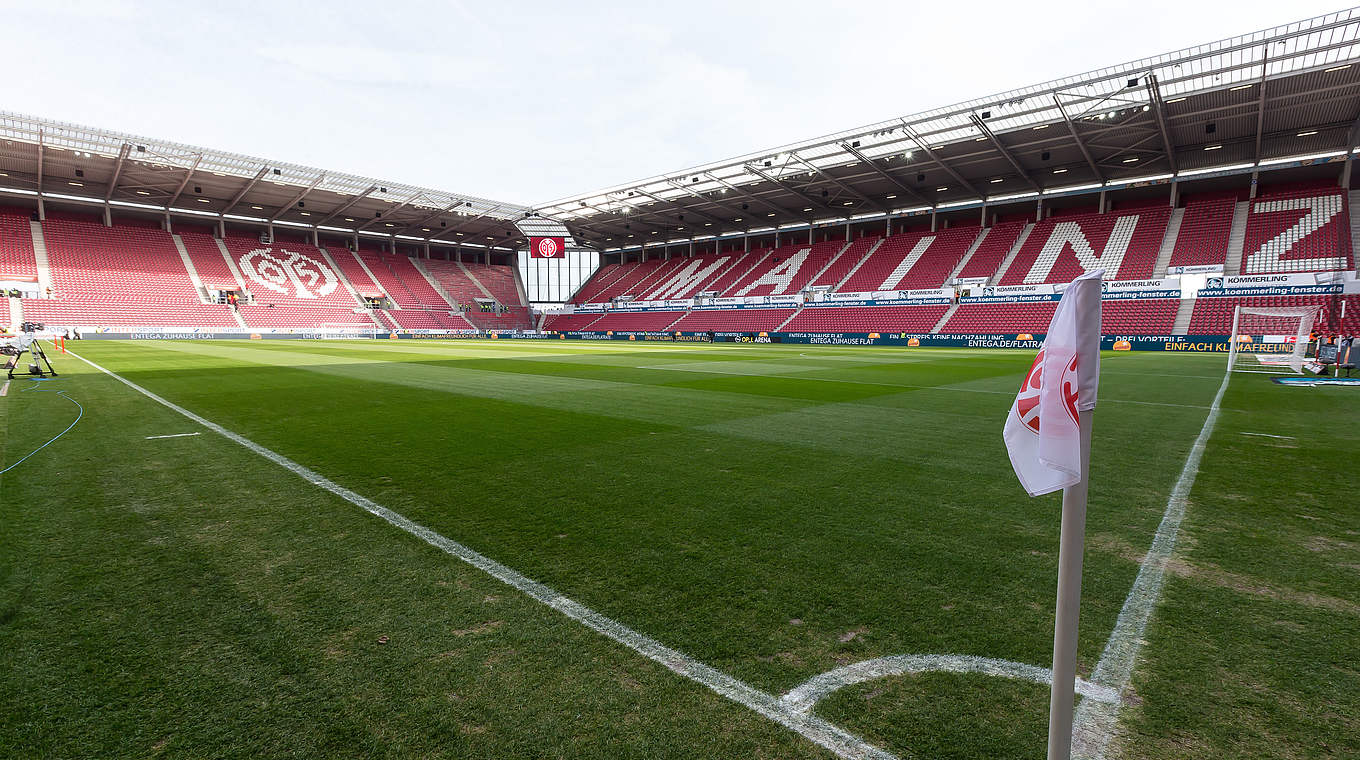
point(533, 101)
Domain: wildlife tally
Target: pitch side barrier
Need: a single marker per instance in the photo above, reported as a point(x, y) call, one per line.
point(1032, 341)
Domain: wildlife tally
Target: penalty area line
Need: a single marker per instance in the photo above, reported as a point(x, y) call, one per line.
point(838, 740)
point(1094, 723)
point(176, 435)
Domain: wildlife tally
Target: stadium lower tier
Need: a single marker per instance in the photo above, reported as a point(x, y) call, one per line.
point(1214, 316)
point(57, 313)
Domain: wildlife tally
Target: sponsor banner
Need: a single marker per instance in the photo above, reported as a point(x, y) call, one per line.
point(935, 299)
point(969, 282)
point(727, 301)
point(1299, 279)
point(720, 307)
point(929, 293)
point(989, 297)
point(679, 303)
point(1118, 286)
point(1015, 290)
point(590, 307)
point(1319, 283)
point(547, 248)
point(1196, 269)
point(1123, 295)
point(849, 296)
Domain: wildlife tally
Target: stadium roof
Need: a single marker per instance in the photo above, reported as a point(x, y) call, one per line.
point(1286, 92)
point(87, 165)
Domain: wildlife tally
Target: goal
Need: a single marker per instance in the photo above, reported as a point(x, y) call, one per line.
point(1270, 340)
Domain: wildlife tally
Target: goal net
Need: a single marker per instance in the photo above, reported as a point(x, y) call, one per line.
point(1271, 340)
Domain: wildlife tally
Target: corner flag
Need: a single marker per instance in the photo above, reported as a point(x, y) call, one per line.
point(1041, 432)
point(1048, 437)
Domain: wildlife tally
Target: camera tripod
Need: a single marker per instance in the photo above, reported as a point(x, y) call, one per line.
point(35, 367)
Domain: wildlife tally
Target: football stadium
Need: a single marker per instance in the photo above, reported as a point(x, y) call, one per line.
point(797, 454)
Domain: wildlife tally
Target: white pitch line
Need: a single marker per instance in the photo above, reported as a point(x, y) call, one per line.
point(4, 389)
point(1094, 723)
point(1268, 435)
point(176, 435)
point(838, 740)
point(810, 692)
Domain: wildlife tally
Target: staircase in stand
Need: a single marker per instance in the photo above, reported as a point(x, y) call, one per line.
point(444, 294)
point(1173, 231)
point(858, 264)
point(191, 269)
point(1182, 323)
point(968, 255)
point(1237, 239)
point(953, 307)
point(1011, 254)
point(40, 258)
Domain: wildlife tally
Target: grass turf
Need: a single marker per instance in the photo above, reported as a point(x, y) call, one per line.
point(774, 512)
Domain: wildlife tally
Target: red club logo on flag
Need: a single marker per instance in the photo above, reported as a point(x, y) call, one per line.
point(1027, 403)
point(546, 247)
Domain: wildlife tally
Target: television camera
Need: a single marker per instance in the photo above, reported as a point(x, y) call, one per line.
point(26, 342)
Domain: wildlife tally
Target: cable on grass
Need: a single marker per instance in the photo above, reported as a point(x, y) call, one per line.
point(37, 386)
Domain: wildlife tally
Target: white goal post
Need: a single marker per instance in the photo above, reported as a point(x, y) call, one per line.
point(1270, 340)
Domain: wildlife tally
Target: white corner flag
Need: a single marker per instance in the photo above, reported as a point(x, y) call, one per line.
point(1042, 431)
point(1048, 437)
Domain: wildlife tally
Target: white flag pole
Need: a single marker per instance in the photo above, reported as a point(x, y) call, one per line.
point(1070, 548)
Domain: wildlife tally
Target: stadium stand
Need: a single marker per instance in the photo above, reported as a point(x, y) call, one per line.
point(419, 319)
point(407, 287)
point(729, 277)
point(1297, 230)
point(912, 261)
point(602, 278)
point(91, 263)
point(569, 322)
point(207, 259)
point(841, 267)
point(466, 283)
point(735, 320)
point(1126, 243)
point(353, 271)
point(641, 321)
point(992, 250)
point(132, 275)
point(787, 269)
point(500, 282)
point(633, 276)
point(1149, 316)
point(320, 286)
point(1203, 237)
point(912, 319)
point(16, 247)
point(58, 314)
point(1214, 316)
point(1000, 318)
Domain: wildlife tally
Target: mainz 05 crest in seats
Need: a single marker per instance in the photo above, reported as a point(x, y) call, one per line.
point(289, 273)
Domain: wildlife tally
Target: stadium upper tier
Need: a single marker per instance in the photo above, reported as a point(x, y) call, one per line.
point(1293, 229)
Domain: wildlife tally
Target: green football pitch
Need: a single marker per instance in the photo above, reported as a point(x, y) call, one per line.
point(482, 549)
